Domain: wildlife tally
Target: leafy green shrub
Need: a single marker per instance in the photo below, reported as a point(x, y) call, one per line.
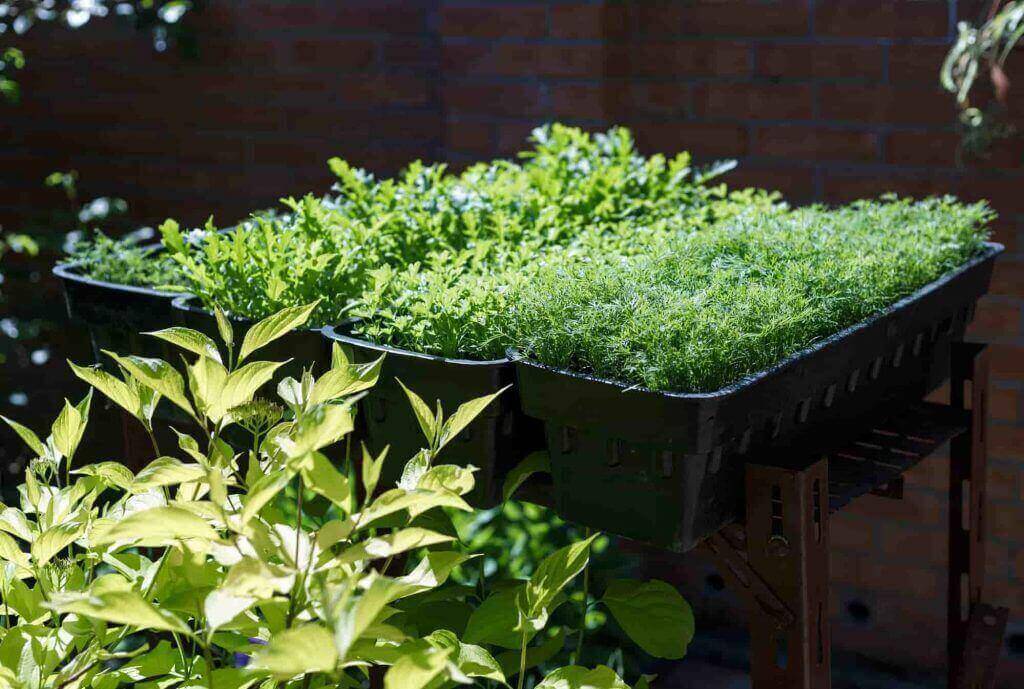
point(703, 310)
point(123, 261)
point(280, 562)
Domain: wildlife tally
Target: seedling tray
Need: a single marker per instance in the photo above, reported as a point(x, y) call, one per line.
point(494, 442)
point(667, 468)
point(114, 314)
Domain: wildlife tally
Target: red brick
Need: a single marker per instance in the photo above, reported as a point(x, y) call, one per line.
point(374, 16)
point(517, 59)
point(805, 61)
point(336, 54)
point(754, 101)
point(922, 148)
point(516, 100)
point(512, 137)
point(893, 19)
point(1005, 405)
point(579, 101)
point(795, 182)
point(470, 137)
point(703, 139)
point(491, 21)
point(1006, 520)
point(588, 21)
point(411, 52)
point(796, 141)
point(722, 18)
point(841, 187)
point(1007, 362)
point(916, 64)
point(386, 89)
point(1008, 277)
point(679, 58)
point(885, 104)
point(670, 98)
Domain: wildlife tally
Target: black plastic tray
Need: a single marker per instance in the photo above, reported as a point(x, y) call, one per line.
point(114, 314)
point(667, 468)
point(495, 442)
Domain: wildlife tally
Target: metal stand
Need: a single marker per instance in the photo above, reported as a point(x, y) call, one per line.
point(778, 562)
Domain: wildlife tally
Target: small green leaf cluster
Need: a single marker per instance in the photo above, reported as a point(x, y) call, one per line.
point(123, 261)
point(568, 184)
point(279, 561)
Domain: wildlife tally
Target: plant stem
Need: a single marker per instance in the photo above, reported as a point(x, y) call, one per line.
point(583, 614)
point(522, 664)
point(152, 440)
point(299, 581)
point(209, 665)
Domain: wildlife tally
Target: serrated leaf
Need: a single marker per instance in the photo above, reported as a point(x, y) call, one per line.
point(273, 327)
point(535, 463)
point(157, 375)
point(423, 414)
point(653, 614)
point(27, 435)
point(157, 526)
point(189, 340)
point(464, 415)
point(576, 677)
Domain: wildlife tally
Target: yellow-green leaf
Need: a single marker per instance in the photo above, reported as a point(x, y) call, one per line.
point(119, 392)
point(54, 540)
point(10, 552)
point(653, 614)
point(112, 600)
point(273, 327)
point(576, 677)
point(166, 471)
point(157, 375)
point(464, 415)
point(419, 669)
point(296, 651)
point(423, 414)
point(27, 435)
point(189, 340)
point(113, 473)
point(157, 526)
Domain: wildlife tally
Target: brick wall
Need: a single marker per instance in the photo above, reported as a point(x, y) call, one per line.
point(823, 99)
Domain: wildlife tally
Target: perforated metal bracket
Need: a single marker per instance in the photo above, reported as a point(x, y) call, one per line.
point(982, 645)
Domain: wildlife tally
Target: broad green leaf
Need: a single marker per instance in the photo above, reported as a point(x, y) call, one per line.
point(576, 677)
point(111, 599)
point(371, 469)
point(472, 661)
point(166, 471)
point(645, 681)
point(27, 435)
point(392, 544)
point(416, 502)
point(423, 414)
point(157, 526)
point(654, 616)
point(14, 522)
point(263, 492)
point(248, 581)
point(206, 380)
point(156, 374)
point(432, 571)
point(112, 473)
point(319, 428)
point(553, 574)
point(535, 655)
point(495, 620)
point(11, 552)
point(273, 327)
point(353, 611)
point(341, 381)
point(418, 670)
point(322, 478)
point(537, 462)
point(189, 340)
point(414, 470)
point(67, 430)
point(54, 540)
point(243, 383)
point(227, 333)
point(464, 415)
point(448, 477)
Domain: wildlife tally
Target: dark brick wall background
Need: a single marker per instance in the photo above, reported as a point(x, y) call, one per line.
point(825, 100)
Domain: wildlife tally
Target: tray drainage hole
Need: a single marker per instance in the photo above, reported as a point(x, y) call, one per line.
point(876, 368)
point(380, 410)
point(716, 461)
point(616, 449)
point(897, 358)
point(858, 611)
point(918, 344)
point(714, 582)
point(803, 408)
point(568, 439)
point(666, 463)
point(830, 395)
point(851, 384)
